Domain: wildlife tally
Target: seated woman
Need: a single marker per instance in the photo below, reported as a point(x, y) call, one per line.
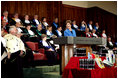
point(49, 32)
point(31, 35)
point(49, 49)
point(83, 26)
point(29, 31)
point(94, 34)
point(69, 31)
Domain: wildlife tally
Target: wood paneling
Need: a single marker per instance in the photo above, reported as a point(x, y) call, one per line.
point(73, 13)
point(48, 9)
point(107, 21)
point(52, 9)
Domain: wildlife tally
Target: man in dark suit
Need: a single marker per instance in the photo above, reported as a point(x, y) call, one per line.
point(55, 24)
point(35, 21)
point(58, 32)
point(90, 26)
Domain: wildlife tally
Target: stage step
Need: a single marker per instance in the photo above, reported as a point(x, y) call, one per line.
point(51, 75)
point(42, 71)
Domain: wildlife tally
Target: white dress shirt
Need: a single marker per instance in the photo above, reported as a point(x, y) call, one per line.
point(5, 18)
point(27, 21)
point(111, 43)
point(44, 43)
point(19, 30)
point(49, 33)
point(17, 20)
point(45, 23)
point(75, 26)
point(90, 27)
point(95, 35)
point(60, 34)
point(104, 35)
point(37, 22)
point(30, 32)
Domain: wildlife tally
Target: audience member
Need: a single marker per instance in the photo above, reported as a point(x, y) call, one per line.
point(104, 34)
point(15, 48)
point(58, 32)
point(110, 45)
point(18, 25)
point(44, 23)
point(49, 32)
point(55, 24)
point(87, 33)
point(83, 26)
point(90, 26)
point(35, 21)
point(26, 20)
point(16, 18)
point(96, 27)
point(29, 31)
point(5, 16)
point(49, 49)
point(94, 34)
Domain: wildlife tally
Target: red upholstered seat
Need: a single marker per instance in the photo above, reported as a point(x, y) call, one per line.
point(39, 56)
point(33, 45)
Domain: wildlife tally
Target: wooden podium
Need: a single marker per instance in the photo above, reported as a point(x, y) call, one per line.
point(69, 43)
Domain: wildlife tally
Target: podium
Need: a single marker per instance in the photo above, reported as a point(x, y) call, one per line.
point(69, 43)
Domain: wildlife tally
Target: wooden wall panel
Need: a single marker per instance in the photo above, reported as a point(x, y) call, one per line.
point(73, 13)
point(107, 21)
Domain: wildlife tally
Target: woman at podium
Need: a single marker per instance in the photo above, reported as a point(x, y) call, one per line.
point(69, 31)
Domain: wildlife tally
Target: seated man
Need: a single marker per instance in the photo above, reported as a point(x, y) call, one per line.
point(98, 30)
point(58, 32)
point(35, 21)
point(90, 26)
point(55, 24)
point(110, 45)
point(26, 20)
point(15, 49)
point(69, 31)
point(49, 49)
point(87, 33)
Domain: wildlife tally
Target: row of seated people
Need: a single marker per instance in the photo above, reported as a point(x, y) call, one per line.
point(35, 22)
